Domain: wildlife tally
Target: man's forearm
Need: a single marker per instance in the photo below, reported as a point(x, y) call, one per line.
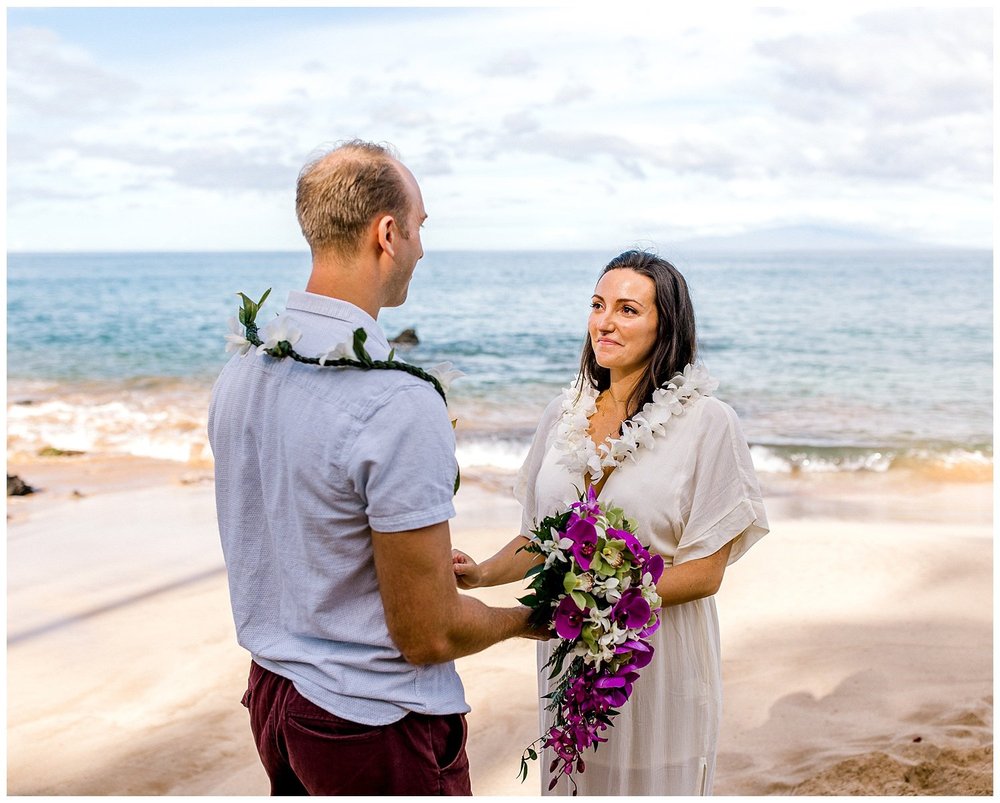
point(477, 626)
point(471, 627)
point(429, 621)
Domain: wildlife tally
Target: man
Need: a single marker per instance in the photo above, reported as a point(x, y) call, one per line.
point(334, 488)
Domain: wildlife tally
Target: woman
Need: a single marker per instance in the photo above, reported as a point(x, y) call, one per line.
point(689, 486)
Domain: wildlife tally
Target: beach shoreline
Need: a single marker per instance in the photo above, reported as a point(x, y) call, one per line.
point(857, 638)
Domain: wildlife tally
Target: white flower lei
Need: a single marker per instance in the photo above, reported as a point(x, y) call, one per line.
point(578, 406)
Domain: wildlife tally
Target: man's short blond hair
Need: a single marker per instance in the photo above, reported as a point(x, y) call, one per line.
point(341, 192)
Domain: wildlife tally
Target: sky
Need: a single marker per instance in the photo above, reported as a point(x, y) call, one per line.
point(528, 128)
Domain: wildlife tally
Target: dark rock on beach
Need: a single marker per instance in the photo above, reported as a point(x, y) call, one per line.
point(408, 337)
point(18, 487)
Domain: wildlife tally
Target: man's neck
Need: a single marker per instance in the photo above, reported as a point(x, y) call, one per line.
point(354, 283)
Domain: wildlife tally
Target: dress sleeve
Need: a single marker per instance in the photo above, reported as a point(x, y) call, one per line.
point(524, 483)
point(723, 497)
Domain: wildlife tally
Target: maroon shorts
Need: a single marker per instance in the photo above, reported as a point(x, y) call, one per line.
point(306, 750)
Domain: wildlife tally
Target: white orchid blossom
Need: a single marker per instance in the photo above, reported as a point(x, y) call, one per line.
point(607, 587)
point(281, 328)
point(445, 373)
point(342, 351)
point(616, 634)
point(236, 339)
point(649, 592)
point(555, 548)
point(555, 556)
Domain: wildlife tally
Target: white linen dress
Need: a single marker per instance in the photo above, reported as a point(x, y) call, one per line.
point(692, 492)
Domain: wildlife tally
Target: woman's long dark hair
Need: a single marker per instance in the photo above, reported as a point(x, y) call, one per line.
point(676, 344)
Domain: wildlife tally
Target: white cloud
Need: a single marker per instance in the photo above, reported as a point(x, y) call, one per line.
point(510, 64)
point(51, 79)
point(527, 127)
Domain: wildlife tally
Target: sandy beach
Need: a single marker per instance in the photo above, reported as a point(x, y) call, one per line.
point(857, 639)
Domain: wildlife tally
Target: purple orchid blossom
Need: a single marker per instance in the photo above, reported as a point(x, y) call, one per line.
point(583, 534)
point(588, 507)
point(641, 653)
point(617, 688)
point(655, 567)
point(631, 610)
point(632, 543)
point(569, 619)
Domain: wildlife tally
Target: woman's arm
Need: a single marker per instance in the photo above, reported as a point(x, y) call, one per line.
point(505, 566)
point(693, 579)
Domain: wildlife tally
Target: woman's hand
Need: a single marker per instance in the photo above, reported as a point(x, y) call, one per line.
point(468, 573)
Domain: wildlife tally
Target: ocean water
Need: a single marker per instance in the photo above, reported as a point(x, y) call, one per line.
point(835, 361)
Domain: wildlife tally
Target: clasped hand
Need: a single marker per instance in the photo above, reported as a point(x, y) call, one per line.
point(469, 575)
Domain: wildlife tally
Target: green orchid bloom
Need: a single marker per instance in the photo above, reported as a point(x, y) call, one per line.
point(609, 557)
point(577, 582)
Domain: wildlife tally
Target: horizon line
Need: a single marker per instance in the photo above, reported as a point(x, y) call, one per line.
point(905, 246)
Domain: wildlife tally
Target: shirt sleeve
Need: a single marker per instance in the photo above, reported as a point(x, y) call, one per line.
point(524, 483)
point(723, 494)
point(403, 461)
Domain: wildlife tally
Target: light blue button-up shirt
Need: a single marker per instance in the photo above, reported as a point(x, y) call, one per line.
point(308, 460)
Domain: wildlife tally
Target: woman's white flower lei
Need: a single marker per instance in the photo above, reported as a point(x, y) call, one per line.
point(578, 406)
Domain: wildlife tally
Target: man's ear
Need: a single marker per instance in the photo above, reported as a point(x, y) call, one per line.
point(388, 231)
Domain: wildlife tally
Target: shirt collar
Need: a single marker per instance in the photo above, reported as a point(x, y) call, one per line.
point(339, 309)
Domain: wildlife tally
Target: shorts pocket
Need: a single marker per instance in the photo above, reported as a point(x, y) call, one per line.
point(252, 679)
point(452, 760)
point(305, 716)
point(453, 744)
point(332, 727)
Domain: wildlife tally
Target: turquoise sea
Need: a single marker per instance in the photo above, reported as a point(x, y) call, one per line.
point(835, 361)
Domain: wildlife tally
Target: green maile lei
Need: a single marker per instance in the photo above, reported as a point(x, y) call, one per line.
point(280, 347)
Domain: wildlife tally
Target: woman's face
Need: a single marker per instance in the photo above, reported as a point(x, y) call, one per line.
point(623, 321)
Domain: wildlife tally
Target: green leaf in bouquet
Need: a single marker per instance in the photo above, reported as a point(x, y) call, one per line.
point(559, 658)
point(538, 567)
point(540, 617)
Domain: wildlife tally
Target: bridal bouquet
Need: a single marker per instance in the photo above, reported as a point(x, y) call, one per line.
point(597, 589)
